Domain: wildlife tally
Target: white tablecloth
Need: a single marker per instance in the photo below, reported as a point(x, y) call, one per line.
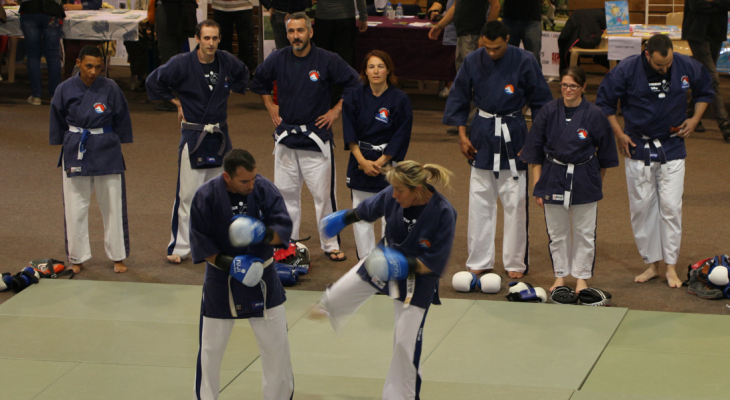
point(99, 25)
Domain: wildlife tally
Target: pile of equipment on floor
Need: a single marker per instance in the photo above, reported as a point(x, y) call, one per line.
point(36, 269)
point(709, 278)
point(292, 261)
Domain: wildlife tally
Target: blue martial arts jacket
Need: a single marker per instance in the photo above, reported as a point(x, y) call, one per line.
point(210, 216)
point(99, 108)
point(183, 76)
point(587, 142)
point(374, 122)
point(647, 115)
point(304, 91)
point(430, 240)
point(503, 89)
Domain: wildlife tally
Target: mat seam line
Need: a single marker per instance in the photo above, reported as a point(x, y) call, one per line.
point(54, 382)
point(447, 333)
point(590, 371)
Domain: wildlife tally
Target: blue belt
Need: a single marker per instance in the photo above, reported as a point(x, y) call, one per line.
point(85, 134)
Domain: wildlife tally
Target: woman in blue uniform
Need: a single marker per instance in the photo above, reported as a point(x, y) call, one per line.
point(376, 122)
point(406, 265)
point(569, 148)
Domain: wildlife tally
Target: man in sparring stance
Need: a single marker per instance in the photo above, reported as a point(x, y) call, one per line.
point(199, 83)
point(239, 284)
point(500, 80)
point(90, 119)
point(304, 75)
point(652, 88)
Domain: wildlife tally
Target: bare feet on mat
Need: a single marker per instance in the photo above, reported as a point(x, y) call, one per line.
point(174, 259)
point(77, 268)
point(119, 267)
point(672, 278)
point(648, 275)
point(558, 282)
point(317, 313)
point(515, 274)
point(582, 284)
point(478, 271)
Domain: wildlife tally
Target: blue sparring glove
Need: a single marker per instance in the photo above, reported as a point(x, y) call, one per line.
point(288, 275)
point(245, 269)
point(389, 264)
point(245, 231)
point(332, 224)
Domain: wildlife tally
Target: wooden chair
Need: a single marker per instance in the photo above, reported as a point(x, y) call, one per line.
point(601, 50)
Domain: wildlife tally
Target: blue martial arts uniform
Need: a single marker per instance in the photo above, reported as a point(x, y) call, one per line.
point(647, 116)
point(430, 241)
point(380, 125)
point(501, 90)
point(586, 142)
point(210, 217)
point(90, 123)
point(304, 92)
point(183, 75)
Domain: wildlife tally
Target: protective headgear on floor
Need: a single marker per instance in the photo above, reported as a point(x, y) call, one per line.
point(563, 295)
point(594, 297)
point(296, 255)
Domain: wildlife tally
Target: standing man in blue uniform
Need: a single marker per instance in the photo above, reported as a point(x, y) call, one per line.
point(304, 75)
point(239, 284)
point(198, 83)
point(652, 88)
point(500, 79)
point(90, 119)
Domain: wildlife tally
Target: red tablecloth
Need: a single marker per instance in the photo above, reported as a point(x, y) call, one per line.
point(415, 56)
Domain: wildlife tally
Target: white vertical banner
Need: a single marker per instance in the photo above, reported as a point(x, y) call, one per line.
point(549, 54)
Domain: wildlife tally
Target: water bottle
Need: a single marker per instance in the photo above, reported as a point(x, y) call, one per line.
point(389, 12)
point(399, 11)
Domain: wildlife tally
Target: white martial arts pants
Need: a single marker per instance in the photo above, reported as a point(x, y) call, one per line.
point(484, 189)
point(346, 296)
point(656, 209)
point(572, 254)
point(271, 336)
point(364, 231)
point(292, 168)
point(188, 182)
point(111, 194)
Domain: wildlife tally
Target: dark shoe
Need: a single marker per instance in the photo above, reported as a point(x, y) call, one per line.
point(699, 128)
point(702, 290)
point(165, 105)
point(725, 129)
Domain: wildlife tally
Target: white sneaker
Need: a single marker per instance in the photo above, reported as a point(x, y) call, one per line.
point(36, 101)
point(444, 92)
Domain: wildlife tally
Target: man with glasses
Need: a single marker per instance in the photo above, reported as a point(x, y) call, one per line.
point(652, 88)
point(500, 79)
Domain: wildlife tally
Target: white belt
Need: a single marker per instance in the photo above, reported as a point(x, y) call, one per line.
point(499, 129)
point(232, 304)
point(568, 178)
point(312, 135)
point(94, 131)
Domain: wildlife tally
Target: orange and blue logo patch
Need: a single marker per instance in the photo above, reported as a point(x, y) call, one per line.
point(425, 244)
point(582, 133)
point(382, 115)
point(314, 76)
point(685, 82)
point(99, 108)
point(509, 89)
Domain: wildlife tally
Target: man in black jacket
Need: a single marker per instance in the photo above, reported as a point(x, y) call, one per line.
point(705, 28)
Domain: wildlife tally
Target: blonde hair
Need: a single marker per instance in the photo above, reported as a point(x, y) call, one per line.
point(412, 174)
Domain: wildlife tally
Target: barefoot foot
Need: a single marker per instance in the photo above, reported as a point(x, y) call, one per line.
point(648, 275)
point(478, 272)
point(119, 267)
point(558, 282)
point(582, 284)
point(174, 259)
point(515, 274)
point(77, 268)
point(672, 278)
point(317, 313)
